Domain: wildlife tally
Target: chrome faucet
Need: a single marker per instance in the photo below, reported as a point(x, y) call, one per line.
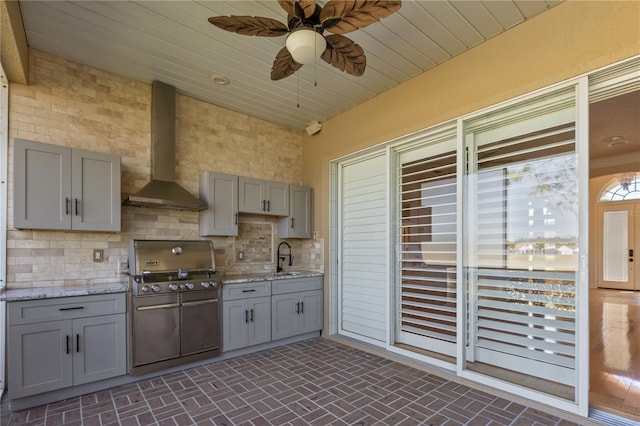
point(283, 256)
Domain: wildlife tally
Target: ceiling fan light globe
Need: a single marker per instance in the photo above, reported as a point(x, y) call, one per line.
point(305, 45)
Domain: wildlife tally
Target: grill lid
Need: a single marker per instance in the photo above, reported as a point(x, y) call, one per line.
point(170, 256)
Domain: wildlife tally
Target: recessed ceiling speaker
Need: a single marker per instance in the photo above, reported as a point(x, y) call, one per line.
point(314, 128)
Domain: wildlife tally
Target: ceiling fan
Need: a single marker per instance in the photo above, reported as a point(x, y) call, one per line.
point(306, 22)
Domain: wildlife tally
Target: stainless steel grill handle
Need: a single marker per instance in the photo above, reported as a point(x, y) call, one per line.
point(199, 302)
point(163, 306)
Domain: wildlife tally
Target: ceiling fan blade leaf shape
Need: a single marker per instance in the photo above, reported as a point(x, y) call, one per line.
point(284, 65)
point(344, 54)
point(250, 25)
point(344, 16)
point(299, 8)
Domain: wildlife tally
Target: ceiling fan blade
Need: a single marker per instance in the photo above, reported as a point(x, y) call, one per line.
point(250, 25)
point(284, 65)
point(344, 16)
point(345, 55)
point(299, 8)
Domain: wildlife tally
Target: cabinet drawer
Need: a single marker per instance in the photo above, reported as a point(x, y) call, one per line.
point(61, 308)
point(246, 290)
point(296, 284)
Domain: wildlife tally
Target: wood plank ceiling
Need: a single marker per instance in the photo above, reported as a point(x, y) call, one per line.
point(172, 41)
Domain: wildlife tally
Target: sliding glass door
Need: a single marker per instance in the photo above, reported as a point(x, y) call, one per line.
point(522, 244)
point(425, 304)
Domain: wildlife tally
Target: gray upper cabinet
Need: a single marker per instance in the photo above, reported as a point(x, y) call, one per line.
point(299, 222)
point(63, 188)
point(263, 197)
point(220, 192)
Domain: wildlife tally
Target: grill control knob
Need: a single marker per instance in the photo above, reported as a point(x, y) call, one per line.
point(145, 289)
point(213, 284)
point(204, 284)
point(189, 286)
point(173, 287)
point(182, 287)
point(155, 288)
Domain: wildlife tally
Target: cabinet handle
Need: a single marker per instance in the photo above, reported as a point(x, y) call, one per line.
point(252, 315)
point(298, 308)
point(246, 316)
point(74, 308)
point(292, 223)
point(236, 218)
point(76, 202)
point(248, 291)
point(268, 205)
point(302, 307)
point(66, 205)
point(264, 205)
point(77, 343)
point(67, 344)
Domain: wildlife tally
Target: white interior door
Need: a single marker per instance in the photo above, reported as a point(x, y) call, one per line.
point(617, 244)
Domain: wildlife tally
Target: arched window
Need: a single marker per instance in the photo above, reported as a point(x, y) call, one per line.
point(623, 187)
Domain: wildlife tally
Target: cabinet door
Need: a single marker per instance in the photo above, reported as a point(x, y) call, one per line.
point(311, 311)
point(235, 325)
point(42, 186)
point(99, 348)
point(298, 224)
point(259, 320)
point(277, 196)
point(95, 189)
point(39, 358)
point(220, 192)
point(283, 315)
point(251, 197)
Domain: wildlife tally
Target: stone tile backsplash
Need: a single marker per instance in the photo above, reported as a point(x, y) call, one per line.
point(257, 240)
point(70, 104)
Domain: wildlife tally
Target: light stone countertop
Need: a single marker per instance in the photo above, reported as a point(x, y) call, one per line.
point(267, 276)
point(34, 293)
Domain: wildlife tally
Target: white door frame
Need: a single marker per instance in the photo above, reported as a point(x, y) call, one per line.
point(4, 148)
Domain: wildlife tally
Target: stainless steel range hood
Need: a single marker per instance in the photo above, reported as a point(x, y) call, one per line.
point(163, 192)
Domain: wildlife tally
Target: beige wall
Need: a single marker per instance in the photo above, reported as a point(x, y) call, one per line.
point(74, 105)
point(570, 39)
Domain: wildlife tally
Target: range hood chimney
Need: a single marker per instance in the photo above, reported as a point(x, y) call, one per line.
point(163, 192)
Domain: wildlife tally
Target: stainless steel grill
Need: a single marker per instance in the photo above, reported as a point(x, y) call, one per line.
point(175, 293)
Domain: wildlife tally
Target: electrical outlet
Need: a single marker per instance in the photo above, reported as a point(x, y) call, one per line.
point(98, 255)
point(240, 255)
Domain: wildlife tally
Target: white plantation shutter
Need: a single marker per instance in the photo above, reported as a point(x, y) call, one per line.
point(523, 238)
point(427, 213)
point(363, 282)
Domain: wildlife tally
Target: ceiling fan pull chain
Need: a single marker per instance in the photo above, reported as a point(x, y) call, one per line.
point(298, 90)
point(315, 64)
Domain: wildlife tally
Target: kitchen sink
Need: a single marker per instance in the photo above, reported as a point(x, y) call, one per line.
point(287, 274)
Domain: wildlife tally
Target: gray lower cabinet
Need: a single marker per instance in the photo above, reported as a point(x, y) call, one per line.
point(61, 342)
point(263, 197)
point(296, 307)
point(56, 187)
point(246, 314)
point(220, 192)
